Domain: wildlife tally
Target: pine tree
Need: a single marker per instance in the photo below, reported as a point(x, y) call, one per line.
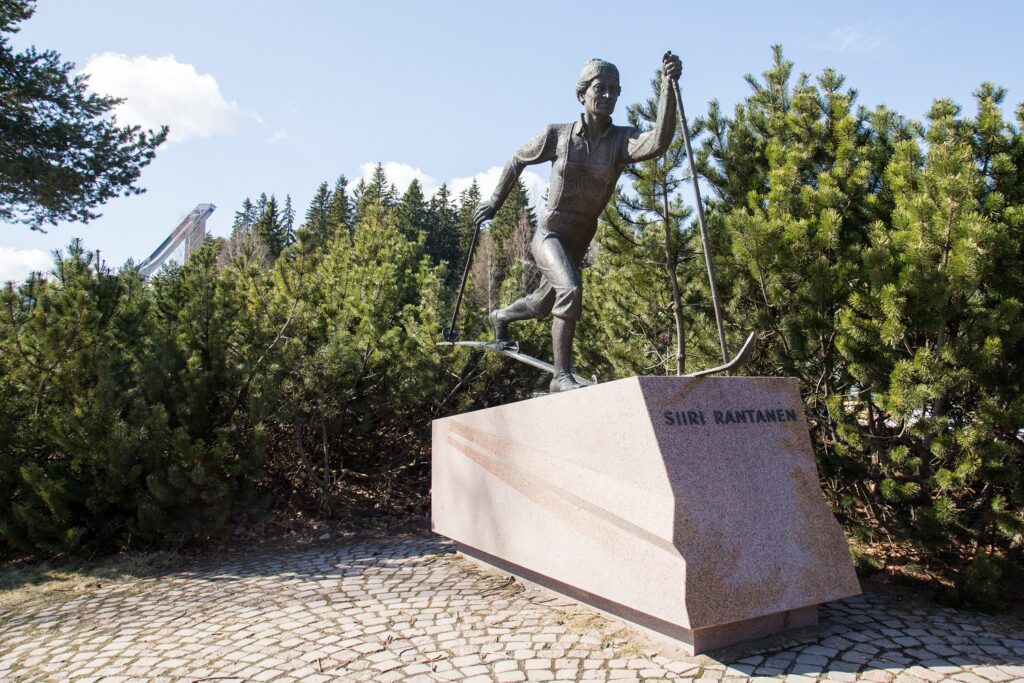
point(67, 346)
point(936, 338)
point(654, 206)
point(201, 373)
point(62, 154)
point(796, 227)
point(119, 390)
point(366, 360)
point(882, 261)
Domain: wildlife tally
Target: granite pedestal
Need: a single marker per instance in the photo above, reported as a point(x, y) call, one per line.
point(689, 506)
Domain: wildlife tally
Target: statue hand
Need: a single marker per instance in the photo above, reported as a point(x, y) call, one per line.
point(484, 212)
point(671, 66)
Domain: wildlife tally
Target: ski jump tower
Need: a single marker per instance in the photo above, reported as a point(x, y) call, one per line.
point(182, 241)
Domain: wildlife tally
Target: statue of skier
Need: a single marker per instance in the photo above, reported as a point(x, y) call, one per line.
point(587, 158)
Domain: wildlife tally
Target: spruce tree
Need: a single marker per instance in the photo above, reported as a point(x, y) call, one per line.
point(468, 201)
point(412, 214)
point(516, 205)
point(245, 218)
point(339, 211)
point(244, 242)
point(316, 228)
point(270, 225)
point(442, 244)
point(288, 221)
point(376, 198)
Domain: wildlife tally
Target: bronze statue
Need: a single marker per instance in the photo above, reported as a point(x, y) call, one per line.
point(587, 157)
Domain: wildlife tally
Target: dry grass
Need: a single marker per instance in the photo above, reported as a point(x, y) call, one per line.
point(24, 581)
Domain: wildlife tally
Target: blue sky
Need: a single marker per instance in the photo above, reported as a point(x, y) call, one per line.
point(278, 97)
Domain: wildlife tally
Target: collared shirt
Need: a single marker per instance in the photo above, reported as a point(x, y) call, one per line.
point(583, 173)
point(583, 176)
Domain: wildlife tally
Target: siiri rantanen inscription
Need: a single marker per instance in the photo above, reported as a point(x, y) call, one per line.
point(691, 418)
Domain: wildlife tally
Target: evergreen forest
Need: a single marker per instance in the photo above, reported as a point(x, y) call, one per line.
point(294, 364)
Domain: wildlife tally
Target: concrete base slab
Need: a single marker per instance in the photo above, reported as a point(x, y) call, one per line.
point(691, 642)
point(689, 506)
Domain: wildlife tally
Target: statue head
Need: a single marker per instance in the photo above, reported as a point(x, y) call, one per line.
point(598, 86)
point(591, 70)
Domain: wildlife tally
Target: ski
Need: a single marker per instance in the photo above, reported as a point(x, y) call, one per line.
point(737, 360)
point(512, 351)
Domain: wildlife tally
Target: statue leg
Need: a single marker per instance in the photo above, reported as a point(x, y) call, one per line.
point(563, 331)
point(535, 305)
point(560, 270)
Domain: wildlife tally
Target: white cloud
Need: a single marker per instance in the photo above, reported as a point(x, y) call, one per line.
point(853, 40)
point(163, 91)
point(400, 175)
point(16, 264)
point(536, 186)
point(278, 136)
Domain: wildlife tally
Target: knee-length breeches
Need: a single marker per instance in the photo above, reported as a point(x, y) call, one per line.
point(558, 258)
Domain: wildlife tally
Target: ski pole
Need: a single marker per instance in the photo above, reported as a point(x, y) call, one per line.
point(448, 333)
point(703, 226)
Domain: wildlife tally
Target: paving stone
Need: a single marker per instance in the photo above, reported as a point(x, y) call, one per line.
point(648, 674)
point(991, 673)
point(411, 610)
point(811, 661)
point(840, 676)
point(740, 670)
point(908, 678)
point(768, 671)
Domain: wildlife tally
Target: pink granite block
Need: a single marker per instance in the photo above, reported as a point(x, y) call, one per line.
point(690, 506)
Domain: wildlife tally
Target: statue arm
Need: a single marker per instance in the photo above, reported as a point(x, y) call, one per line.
point(537, 151)
point(655, 142)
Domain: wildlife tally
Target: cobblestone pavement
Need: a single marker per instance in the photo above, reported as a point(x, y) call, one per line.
point(410, 609)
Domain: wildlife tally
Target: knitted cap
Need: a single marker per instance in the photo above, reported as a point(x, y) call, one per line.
point(591, 70)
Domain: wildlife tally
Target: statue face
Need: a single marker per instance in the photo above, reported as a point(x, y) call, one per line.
point(601, 96)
